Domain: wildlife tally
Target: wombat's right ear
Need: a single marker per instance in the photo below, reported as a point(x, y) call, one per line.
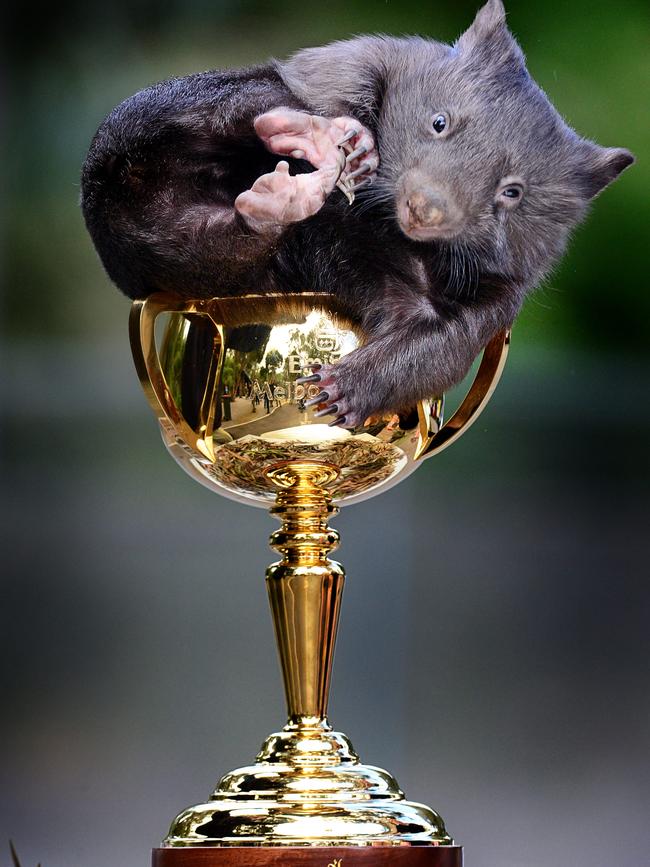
point(344, 77)
point(599, 166)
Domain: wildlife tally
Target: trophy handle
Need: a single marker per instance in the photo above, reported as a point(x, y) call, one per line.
point(480, 391)
point(147, 360)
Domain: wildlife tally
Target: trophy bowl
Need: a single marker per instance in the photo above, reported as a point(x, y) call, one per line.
point(221, 375)
point(224, 378)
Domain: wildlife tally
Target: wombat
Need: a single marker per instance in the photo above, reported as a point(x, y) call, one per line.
point(469, 186)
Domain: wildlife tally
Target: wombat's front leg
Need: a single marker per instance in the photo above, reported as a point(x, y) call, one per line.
point(319, 140)
point(278, 198)
point(372, 380)
point(421, 354)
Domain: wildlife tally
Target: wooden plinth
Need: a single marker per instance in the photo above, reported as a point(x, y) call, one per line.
point(310, 856)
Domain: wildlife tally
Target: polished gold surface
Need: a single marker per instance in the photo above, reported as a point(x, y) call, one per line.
point(307, 788)
point(221, 376)
point(307, 785)
point(305, 587)
point(247, 346)
point(434, 439)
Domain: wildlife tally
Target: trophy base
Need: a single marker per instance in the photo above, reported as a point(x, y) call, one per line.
point(311, 856)
point(307, 788)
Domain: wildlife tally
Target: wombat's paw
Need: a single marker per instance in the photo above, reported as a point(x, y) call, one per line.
point(361, 156)
point(278, 198)
point(324, 142)
point(343, 395)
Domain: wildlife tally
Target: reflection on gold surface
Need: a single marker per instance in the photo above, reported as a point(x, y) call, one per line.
point(222, 379)
point(221, 376)
point(305, 587)
point(307, 787)
point(364, 461)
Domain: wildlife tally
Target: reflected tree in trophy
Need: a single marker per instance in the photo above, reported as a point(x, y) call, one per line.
point(222, 377)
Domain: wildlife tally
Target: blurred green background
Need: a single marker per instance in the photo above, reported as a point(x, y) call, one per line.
point(494, 645)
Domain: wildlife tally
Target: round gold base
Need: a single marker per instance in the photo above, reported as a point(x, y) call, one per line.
point(308, 789)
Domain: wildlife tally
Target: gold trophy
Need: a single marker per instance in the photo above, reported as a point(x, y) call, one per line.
point(221, 376)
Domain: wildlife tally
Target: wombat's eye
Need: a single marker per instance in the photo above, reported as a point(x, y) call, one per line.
point(440, 123)
point(510, 192)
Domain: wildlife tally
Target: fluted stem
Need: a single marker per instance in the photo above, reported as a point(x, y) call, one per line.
point(305, 587)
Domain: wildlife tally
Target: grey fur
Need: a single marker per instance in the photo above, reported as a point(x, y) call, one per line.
point(426, 306)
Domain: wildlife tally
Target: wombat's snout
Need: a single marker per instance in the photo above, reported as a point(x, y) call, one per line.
point(425, 212)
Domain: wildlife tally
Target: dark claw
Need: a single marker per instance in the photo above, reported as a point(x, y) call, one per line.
point(349, 195)
point(303, 380)
point(358, 152)
point(349, 134)
point(328, 411)
point(363, 168)
point(320, 398)
point(336, 421)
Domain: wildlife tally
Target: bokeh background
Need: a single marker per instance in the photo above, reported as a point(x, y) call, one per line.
point(494, 643)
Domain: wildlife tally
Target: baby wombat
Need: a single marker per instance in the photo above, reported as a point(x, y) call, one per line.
point(470, 184)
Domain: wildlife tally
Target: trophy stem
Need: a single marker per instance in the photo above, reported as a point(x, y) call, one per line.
point(305, 587)
point(307, 787)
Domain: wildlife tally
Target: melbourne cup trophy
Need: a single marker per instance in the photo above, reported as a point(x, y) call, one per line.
point(317, 250)
point(205, 366)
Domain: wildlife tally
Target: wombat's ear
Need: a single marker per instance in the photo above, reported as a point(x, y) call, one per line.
point(601, 167)
point(488, 18)
point(345, 77)
point(490, 32)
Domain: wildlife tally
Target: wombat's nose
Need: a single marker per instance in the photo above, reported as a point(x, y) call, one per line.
point(426, 209)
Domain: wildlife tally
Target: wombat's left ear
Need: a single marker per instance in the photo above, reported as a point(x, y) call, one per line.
point(602, 167)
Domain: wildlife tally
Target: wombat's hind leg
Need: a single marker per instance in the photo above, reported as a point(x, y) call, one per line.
point(278, 198)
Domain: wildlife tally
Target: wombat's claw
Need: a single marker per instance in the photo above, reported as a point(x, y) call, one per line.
point(351, 133)
point(358, 152)
point(337, 421)
point(322, 397)
point(329, 410)
point(362, 176)
point(348, 191)
point(366, 182)
point(349, 154)
point(365, 166)
point(343, 182)
point(341, 157)
point(303, 380)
